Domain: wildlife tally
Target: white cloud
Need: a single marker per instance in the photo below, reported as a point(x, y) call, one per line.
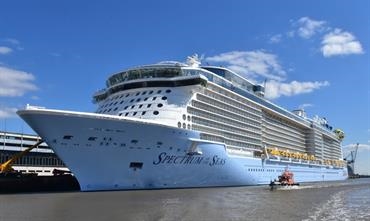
point(55, 54)
point(338, 42)
point(7, 112)
point(275, 38)
point(351, 147)
point(12, 41)
point(34, 97)
point(258, 66)
point(275, 89)
point(304, 106)
point(308, 27)
point(5, 50)
point(15, 83)
point(251, 64)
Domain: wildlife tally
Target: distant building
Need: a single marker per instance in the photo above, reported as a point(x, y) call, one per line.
point(41, 160)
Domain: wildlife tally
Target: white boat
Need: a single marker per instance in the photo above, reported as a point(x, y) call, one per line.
point(175, 125)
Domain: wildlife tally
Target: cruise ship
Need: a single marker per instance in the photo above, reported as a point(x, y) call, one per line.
point(180, 125)
point(41, 160)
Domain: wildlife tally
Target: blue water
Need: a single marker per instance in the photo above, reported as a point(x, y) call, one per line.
point(348, 200)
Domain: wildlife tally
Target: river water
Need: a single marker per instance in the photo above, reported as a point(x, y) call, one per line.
point(347, 200)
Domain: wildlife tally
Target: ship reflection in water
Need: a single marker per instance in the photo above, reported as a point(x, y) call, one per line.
point(346, 200)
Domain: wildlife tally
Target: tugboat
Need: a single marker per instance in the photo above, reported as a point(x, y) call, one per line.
point(286, 179)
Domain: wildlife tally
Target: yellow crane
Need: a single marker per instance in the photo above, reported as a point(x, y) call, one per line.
point(7, 166)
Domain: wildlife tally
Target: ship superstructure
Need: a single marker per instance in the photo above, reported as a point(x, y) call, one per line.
point(174, 125)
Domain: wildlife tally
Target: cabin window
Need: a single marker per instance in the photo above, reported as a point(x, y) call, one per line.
point(155, 112)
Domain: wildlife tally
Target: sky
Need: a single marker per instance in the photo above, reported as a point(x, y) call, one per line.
point(311, 54)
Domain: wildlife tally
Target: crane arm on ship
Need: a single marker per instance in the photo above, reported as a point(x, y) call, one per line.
point(7, 166)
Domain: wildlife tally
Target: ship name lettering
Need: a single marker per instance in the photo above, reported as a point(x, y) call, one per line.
point(217, 161)
point(164, 158)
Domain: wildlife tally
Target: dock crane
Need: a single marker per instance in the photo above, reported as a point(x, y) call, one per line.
point(6, 167)
point(351, 158)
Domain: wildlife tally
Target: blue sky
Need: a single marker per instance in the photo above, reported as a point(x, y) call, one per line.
point(313, 54)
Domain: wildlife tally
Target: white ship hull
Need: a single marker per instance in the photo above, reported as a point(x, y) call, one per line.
point(109, 153)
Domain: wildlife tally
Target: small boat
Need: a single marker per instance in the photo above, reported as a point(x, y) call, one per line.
point(286, 180)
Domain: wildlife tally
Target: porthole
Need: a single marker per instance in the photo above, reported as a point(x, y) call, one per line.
point(154, 98)
point(115, 108)
point(125, 108)
point(138, 93)
point(189, 118)
point(145, 99)
point(127, 95)
point(138, 100)
point(168, 91)
point(164, 98)
point(120, 114)
point(115, 102)
point(126, 114)
point(160, 91)
point(155, 112)
point(143, 113)
point(150, 92)
point(184, 125)
point(140, 106)
point(159, 105)
point(179, 124)
point(144, 93)
point(132, 100)
point(132, 107)
point(121, 102)
point(149, 105)
point(184, 117)
point(188, 126)
point(134, 114)
point(109, 109)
